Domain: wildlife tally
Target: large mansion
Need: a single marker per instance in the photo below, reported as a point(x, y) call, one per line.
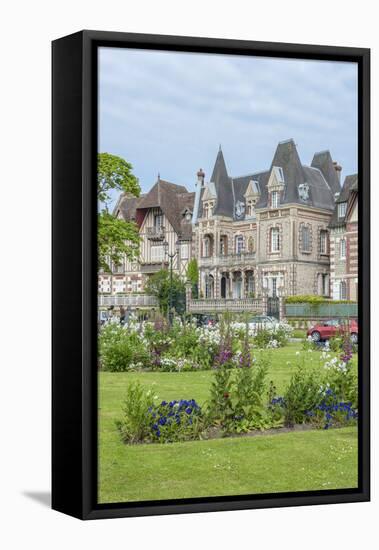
point(269, 233)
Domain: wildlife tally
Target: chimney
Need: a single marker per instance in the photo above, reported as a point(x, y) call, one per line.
point(338, 169)
point(200, 177)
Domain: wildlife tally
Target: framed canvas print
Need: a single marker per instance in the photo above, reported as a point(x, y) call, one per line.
point(211, 290)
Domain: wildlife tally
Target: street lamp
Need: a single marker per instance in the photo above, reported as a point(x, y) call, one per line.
point(171, 257)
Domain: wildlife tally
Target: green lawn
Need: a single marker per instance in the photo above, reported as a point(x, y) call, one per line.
point(314, 459)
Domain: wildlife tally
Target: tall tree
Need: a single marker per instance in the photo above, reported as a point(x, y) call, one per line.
point(193, 276)
point(116, 237)
point(159, 285)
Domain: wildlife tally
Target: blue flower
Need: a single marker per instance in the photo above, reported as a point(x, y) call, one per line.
point(188, 410)
point(162, 420)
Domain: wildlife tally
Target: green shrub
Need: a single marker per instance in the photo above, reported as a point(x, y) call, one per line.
point(135, 425)
point(301, 395)
point(313, 299)
point(121, 350)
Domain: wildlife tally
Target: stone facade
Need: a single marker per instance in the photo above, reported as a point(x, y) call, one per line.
point(263, 235)
point(270, 235)
point(344, 242)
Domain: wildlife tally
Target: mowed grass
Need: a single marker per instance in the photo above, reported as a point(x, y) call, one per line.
point(294, 461)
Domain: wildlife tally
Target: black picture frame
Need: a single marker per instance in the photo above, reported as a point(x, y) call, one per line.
point(74, 272)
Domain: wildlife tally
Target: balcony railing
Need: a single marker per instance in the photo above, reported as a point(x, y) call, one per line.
point(132, 300)
point(220, 305)
point(228, 259)
point(152, 266)
point(155, 233)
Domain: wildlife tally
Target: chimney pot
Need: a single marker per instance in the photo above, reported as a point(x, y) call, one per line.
point(338, 169)
point(200, 176)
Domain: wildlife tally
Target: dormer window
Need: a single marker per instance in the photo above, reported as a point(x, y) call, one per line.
point(274, 199)
point(342, 209)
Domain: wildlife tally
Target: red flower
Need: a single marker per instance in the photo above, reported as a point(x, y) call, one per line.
point(226, 395)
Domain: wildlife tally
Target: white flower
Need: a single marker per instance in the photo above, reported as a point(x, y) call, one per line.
point(297, 353)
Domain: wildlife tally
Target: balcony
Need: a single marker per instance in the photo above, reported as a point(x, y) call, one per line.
point(132, 300)
point(220, 305)
point(155, 233)
point(228, 260)
point(153, 266)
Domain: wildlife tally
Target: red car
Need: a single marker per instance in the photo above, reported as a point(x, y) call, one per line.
point(327, 329)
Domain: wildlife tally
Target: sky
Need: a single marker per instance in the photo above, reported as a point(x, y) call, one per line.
point(168, 112)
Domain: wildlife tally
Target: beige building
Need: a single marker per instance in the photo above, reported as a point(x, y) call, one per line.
point(267, 232)
point(164, 217)
point(264, 234)
point(344, 242)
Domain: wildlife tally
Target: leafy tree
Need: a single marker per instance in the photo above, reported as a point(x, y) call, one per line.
point(159, 286)
point(193, 276)
point(116, 237)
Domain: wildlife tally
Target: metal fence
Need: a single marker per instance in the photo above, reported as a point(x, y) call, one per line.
point(132, 300)
point(219, 305)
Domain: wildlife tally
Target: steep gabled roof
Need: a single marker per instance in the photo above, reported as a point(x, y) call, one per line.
point(171, 198)
point(324, 162)
point(349, 189)
point(128, 204)
point(287, 166)
point(295, 174)
point(223, 186)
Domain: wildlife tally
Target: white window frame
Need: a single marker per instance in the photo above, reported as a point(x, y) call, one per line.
point(343, 249)
point(305, 239)
point(184, 251)
point(323, 241)
point(239, 244)
point(158, 221)
point(274, 199)
point(343, 293)
point(274, 239)
point(134, 285)
point(342, 209)
point(157, 253)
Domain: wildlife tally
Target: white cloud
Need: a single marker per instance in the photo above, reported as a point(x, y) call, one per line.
point(168, 112)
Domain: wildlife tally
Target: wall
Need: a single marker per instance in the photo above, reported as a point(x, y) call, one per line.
point(27, 30)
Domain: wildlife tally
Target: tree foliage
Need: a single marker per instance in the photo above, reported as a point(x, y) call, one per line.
point(159, 286)
point(116, 237)
point(193, 276)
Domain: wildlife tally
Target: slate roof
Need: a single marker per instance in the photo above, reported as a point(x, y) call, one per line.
point(324, 162)
point(171, 198)
point(320, 177)
point(349, 188)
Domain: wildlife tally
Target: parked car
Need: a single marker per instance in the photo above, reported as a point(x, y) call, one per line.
point(333, 327)
point(263, 321)
point(206, 320)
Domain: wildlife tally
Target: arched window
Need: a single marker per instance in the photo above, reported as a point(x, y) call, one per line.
point(209, 286)
point(251, 285)
point(239, 244)
point(343, 290)
point(275, 239)
point(223, 245)
point(305, 239)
